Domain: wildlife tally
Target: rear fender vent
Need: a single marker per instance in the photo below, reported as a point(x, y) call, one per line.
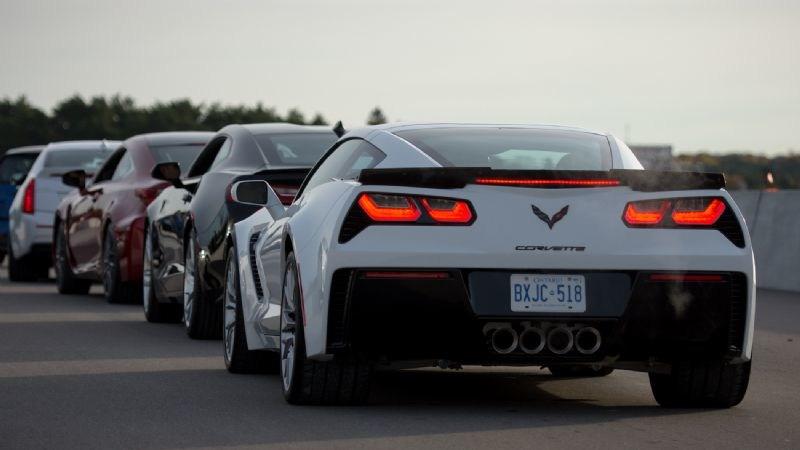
point(254, 266)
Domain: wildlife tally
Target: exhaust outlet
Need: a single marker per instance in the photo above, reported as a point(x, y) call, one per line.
point(532, 340)
point(588, 340)
point(504, 340)
point(560, 340)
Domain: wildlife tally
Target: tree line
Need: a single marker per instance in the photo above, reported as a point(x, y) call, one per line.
point(119, 117)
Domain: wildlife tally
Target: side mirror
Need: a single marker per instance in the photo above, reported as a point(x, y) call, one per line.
point(168, 171)
point(75, 178)
point(251, 192)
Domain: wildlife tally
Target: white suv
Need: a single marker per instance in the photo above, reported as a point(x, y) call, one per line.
point(32, 211)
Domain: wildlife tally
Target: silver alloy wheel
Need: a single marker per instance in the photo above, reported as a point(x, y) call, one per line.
point(147, 269)
point(288, 327)
point(229, 330)
point(188, 284)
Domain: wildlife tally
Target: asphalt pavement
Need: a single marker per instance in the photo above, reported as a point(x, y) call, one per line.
point(76, 372)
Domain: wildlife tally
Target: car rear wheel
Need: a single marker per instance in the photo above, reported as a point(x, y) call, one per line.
point(65, 280)
point(701, 384)
point(154, 311)
point(202, 317)
point(579, 371)
point(238, 359)
point(16, 271)
point(115, 290)
point(305, 381)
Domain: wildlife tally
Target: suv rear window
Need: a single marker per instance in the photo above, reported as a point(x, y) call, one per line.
point(294, 149)
point(14, 168)
point(87, 159)
point(512, 148)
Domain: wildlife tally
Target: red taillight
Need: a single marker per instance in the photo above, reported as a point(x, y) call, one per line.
point(285, 193)
point(406, 275)
point(686, 278)
point(447, 210)
point(28, 200)
point(547, 183)
point(650, 212)
point(389, 208)
point(147, 195)
point(698, 211)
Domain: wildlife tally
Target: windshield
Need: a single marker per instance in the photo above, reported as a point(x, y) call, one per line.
point(294, 149)
point(86, 159)
point(14, 168)
point(513, 148)
point(184, 154)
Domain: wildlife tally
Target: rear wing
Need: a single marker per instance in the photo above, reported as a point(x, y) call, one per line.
point(458, 177)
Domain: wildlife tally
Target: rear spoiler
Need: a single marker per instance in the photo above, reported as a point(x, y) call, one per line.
point(458, 177)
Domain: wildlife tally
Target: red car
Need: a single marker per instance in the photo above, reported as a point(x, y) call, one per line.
point(99, 226)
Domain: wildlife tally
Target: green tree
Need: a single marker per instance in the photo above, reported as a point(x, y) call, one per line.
point(376, 117)
point(22, 124)
point(295, 116)
point(318, 120)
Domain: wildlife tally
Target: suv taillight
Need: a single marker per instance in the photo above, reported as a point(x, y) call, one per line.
point(28, 197)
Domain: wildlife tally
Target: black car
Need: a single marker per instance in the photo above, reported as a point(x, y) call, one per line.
point(188, 226)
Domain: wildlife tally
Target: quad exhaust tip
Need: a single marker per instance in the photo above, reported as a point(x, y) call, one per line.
point(587, 340)
point(504, 340)
point(560, 340)
point(532, 340)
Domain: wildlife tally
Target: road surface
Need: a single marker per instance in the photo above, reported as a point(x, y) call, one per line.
point(76, 372)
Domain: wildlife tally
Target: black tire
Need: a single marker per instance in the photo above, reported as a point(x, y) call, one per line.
point(305, 381)
point(238, 359)
point(154, 310)
point(701, 384)
point(115, 290)
point(16, 269)
point(66, 280)
point(580, 371)
point(202, 317)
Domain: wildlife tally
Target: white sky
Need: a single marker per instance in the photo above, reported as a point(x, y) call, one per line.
point(718, 75)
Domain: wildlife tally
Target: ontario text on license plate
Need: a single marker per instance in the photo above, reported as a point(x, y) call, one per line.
point(548, 293)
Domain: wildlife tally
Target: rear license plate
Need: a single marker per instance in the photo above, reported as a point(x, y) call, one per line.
point(548, 293)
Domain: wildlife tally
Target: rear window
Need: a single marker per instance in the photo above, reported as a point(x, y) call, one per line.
point(184, 155)
point(14, 168)
point(88, 160)
point(513, 148)
point(294, 149)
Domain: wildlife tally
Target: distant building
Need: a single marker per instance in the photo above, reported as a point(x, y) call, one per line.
point(654, 156)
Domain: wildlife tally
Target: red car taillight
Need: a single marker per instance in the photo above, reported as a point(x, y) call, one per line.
point(691, 211)
point(28, 197)
point(147, 195)
point(285, 193)
point(447, 210)
point(389, 208)
point(674, 213)
point(646, 213)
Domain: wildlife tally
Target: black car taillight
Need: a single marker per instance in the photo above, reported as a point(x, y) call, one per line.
point(401, 209)
point(686, 212)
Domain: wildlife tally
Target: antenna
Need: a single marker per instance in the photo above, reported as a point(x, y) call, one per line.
point(338, 129)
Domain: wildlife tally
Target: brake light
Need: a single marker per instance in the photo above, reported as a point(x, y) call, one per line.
point(389, 208)
point(686, 278)
point(407, 275)
point(447, 210)
point(147, 195)
point(697, 211)
point(28, 200)
point(285, 193)
point(547, 182)
point(650, 212)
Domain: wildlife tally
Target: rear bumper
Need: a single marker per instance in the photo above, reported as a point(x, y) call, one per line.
point(639, 318)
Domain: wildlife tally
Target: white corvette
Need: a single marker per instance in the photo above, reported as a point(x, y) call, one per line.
point(441, 244)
